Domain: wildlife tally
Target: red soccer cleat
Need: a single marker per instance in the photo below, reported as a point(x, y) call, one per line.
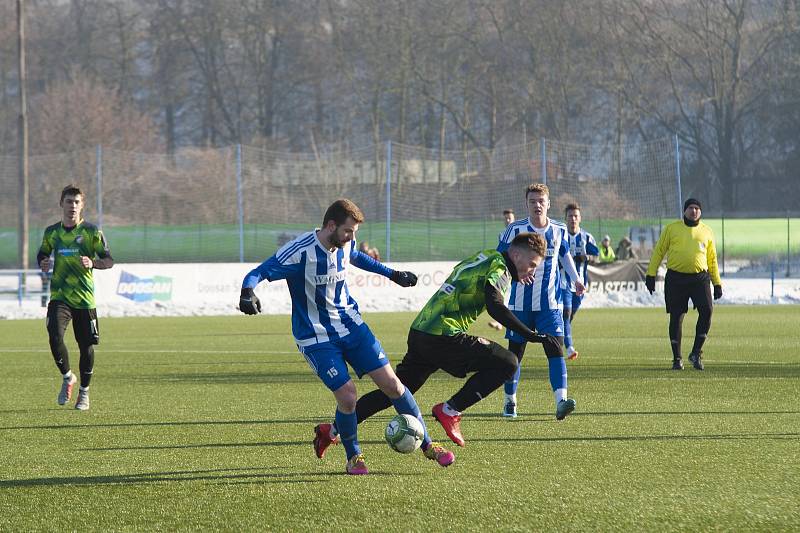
point(322, 439)
point(451, 424)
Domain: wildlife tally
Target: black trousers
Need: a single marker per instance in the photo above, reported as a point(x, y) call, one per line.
point(679, 288)
point(87, 334)
point(489, 363)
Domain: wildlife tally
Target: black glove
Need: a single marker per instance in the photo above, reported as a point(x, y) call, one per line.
point(579, 259)
point(404, 279)
point(547, 341)
point(650, 283)
point(249, 303)
point(717, 292)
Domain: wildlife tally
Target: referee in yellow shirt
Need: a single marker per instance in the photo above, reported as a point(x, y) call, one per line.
point(691, 269)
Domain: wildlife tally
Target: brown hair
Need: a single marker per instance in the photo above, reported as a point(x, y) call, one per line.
point(71, 190)
point(508, 211)
point(532, 242)
point(340, 210)
point(537, 187)
point(571, 207)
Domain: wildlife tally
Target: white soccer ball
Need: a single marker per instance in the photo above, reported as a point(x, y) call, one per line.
point(404, 433)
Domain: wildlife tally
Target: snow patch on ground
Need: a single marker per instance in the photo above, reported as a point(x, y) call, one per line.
point(737, 291)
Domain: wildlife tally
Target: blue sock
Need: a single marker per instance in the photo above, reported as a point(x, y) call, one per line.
point(347, 425)
point(407, 405)
point(510, 386)
point(567, 332)
point(558, 372)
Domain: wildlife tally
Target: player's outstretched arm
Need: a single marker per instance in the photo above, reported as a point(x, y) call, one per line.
point(249, 303)
point(502, 314)
point(272, 269)
point(404, 278)
point(370, 264)
point(569, 267)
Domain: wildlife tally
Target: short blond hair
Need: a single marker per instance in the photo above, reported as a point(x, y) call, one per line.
point(537, 187)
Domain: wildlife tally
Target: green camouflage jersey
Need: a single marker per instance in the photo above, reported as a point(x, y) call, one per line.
point(71, 283)
point(459, 301)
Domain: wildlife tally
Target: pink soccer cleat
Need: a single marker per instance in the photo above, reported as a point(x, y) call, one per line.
point(437, 452)
point(356, 466)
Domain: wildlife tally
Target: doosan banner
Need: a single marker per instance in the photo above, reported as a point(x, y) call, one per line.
point(216, 286)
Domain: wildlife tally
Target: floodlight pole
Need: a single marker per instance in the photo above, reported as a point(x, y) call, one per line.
point(22, 132)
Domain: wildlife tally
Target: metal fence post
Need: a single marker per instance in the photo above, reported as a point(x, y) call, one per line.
point(678, 175)
point(543, 162)
point(723, 244)
point(788, 246)
point(388, 200)
point(240, 201)
point(99, 178)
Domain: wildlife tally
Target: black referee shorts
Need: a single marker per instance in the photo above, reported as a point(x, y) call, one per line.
point(680, 287)
point(457, 355)
point(84, 322)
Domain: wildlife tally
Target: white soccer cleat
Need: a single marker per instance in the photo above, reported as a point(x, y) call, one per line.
point(83, 400)
point(572, 353)
point(66, 389)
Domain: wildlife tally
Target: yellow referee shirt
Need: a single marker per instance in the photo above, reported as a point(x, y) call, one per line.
point(689, 250)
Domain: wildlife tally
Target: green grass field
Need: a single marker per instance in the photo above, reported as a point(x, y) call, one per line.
point(206, 424)
point(411, 241)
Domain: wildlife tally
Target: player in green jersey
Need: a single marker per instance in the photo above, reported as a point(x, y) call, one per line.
point(438, 338)
point(77, 248)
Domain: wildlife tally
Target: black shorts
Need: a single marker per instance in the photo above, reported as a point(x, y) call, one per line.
point(457, 355)
point(84, 322)
point(679, 288)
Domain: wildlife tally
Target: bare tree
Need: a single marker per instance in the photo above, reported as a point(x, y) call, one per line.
point(79, 113)
point(700, 69)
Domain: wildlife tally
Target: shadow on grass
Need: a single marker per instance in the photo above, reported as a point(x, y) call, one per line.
point(316, 420)
point(218, 445)
point(235, 378)
point(714, 370)
point(645, 438)
point(222, 474)
point(531, 417)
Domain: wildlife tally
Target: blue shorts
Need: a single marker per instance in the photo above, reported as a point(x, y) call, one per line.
point(571, 300)
point(329, 360)
point(549, 321)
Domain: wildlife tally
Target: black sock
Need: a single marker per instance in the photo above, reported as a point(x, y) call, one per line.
point(371, 403)
point(86, 364)
point(675, 333)
point(701, 330)
point(60, 354)
point(500, 368)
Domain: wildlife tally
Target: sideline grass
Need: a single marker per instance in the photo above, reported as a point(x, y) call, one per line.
point(205, 424)
point(411, 241)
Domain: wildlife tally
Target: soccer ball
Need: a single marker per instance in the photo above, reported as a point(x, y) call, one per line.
point(404, 433)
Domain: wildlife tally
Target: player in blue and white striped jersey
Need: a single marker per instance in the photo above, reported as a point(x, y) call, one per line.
point(581, 246)
point(536, 301)
point(328, 327)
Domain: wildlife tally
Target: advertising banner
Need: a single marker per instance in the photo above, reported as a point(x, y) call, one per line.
point(618, 276)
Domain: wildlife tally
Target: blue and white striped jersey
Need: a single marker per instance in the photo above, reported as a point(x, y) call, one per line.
point(543, 293)
point(322, 308)
point(582, 243)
